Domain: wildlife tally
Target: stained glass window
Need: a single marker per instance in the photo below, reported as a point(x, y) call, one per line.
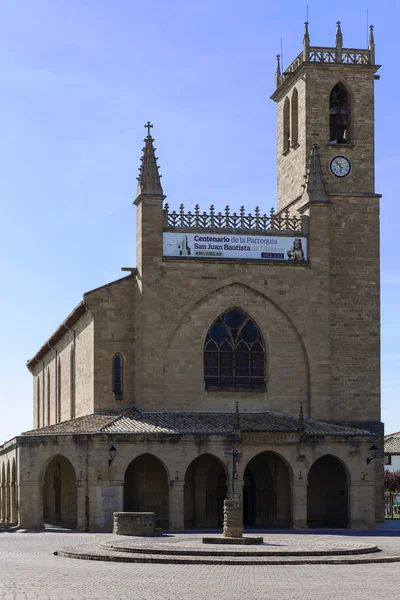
point(118, 375)
point(234, 354)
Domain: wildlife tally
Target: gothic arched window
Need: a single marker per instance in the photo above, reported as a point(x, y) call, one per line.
point(234, 353)
point(48, 395)
point(286, 125)
point(295, 119)
point(118, 375)
point(59, 388)
point(339, 115)
point(39, 401)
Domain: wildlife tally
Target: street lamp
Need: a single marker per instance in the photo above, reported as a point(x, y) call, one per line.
point(112, 451)
point(373, 452)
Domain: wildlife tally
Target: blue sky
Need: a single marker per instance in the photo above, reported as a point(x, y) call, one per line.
point(79, 78)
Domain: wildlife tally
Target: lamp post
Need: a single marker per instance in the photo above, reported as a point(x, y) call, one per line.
point(373, 452)
point(112, 451)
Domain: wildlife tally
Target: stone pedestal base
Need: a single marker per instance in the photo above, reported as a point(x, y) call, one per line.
point(134, 523)
point(233, 518)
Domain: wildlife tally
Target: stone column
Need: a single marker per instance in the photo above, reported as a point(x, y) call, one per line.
point(30, 502)
point(299, 504)
point(14, 512)
point(362, 504)
point(1, 503)
point(176, 506)
point(82, 507)
point(233, 516)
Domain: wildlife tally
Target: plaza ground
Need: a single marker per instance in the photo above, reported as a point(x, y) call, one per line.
point(30, 571)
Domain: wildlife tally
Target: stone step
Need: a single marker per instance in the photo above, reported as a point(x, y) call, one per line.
point(269, 552)
point(96, 553)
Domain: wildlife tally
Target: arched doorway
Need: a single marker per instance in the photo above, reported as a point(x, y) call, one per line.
point(266, 492)
point(205, 492)
point(146, 488)
point(60, 493)
point(327, 494)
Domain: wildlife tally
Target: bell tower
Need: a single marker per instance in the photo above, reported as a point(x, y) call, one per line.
point(328, 93)
point(325, 101)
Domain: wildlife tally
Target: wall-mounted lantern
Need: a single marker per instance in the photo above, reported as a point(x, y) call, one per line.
point(112, 451)
point(373, 452)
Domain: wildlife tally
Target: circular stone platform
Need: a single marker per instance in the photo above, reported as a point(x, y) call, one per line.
point(289, 549)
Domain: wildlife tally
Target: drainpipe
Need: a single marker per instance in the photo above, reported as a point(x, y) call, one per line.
point(42, 361)
point(55, 381)
point(72, 373)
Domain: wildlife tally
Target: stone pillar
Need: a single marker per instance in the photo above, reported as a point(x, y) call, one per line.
point(30, 502)
point(233, 516)
point(1, 503)
point(82, 507)
point(176, 506)
point(299, 504)
point(7, 490)
point(104, 500)
point(362, 504)
point(14, 512)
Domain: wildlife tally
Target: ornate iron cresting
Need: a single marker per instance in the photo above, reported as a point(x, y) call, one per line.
point(232, 221)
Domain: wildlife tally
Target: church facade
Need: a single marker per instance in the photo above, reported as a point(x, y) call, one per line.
point(241, 354)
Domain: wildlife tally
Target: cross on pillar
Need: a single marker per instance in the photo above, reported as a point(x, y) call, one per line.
point(234, 453)
point(148, 126)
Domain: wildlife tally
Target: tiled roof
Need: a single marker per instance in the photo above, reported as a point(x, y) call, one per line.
point(392, 443)
point(132, 421)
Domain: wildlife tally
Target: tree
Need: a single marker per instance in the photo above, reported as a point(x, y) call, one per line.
point(392, 486)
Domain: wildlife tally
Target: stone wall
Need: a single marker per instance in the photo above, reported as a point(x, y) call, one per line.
point(72, 405)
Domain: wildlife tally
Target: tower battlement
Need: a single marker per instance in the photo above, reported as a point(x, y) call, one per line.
point(327, 55)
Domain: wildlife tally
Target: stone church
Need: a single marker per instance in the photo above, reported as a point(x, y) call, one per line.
point(241, 354)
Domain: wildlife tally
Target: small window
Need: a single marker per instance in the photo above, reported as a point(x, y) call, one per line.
point(286, 125)
point(38, 402)
point(295, 119)
point(48, 395)
point(339, 115)
point(118, 375)
point(388, 459)
point(58, 407)
point(234, 356)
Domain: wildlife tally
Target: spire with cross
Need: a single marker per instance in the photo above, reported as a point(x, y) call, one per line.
point(149, 178)
point(148, 126)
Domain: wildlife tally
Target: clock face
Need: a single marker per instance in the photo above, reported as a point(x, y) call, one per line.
point(340, 166)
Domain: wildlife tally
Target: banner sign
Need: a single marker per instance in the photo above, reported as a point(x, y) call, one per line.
point(250, 247)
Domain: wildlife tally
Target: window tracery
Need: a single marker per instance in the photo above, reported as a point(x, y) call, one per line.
point(234, 353)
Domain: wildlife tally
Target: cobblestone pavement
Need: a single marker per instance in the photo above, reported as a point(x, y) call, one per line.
point(30, 571)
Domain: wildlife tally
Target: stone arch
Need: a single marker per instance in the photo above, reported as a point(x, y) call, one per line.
point(208, 307)
point(267, 491)
point(146, 487)
point(60, 492)
point(204, 492)
point(328, 498)
point(340, 130)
